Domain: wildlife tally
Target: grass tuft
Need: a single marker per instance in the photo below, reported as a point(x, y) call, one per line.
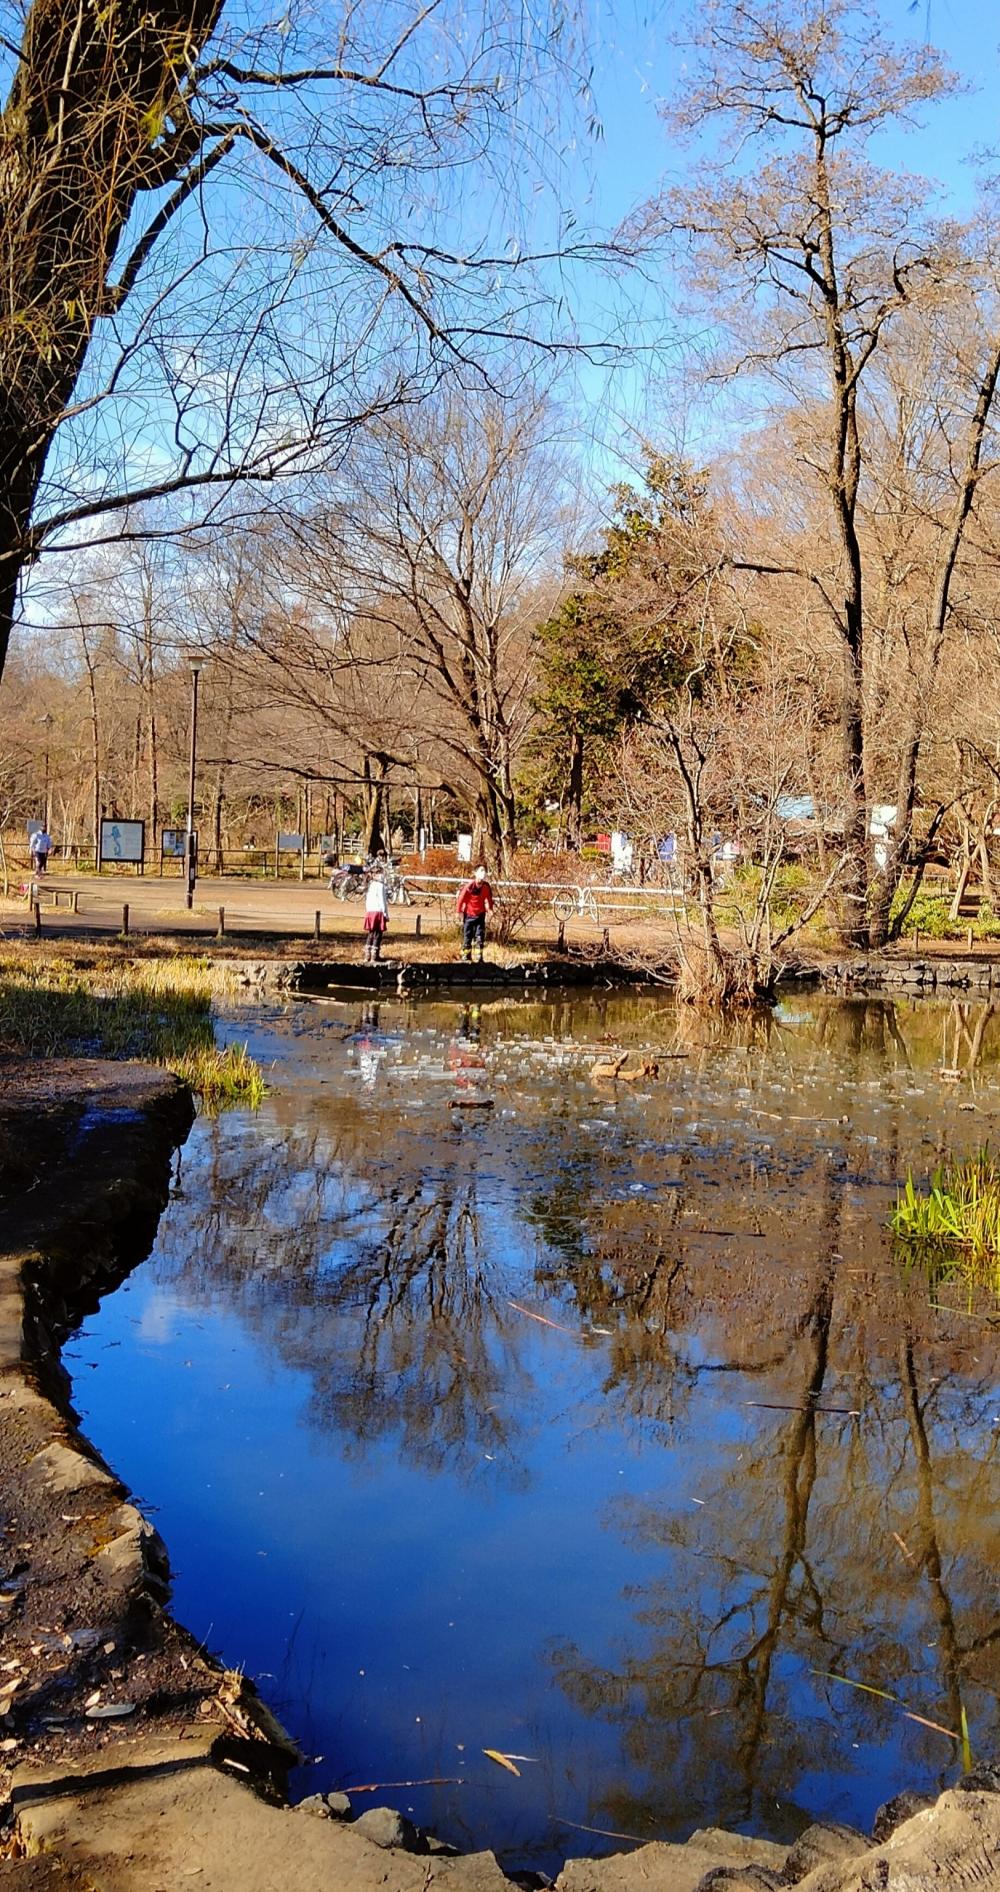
point(957, 1221)
point(104, 1005)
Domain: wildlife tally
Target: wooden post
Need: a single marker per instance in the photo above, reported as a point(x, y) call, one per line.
point(605, 941)
point(968, 939)
point(916, 939)
point(222, 924)
point(318, 925)
point(561, 937)
point(125, 919)
point(416, 927)
point(36, 909)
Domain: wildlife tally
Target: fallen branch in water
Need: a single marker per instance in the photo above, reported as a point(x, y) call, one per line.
point(606, 1832)
point(379, 1786)
point(542, 1319)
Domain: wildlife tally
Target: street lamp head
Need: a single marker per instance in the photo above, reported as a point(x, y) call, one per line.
point(195, 661)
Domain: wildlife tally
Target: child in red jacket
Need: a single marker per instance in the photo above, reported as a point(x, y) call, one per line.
point(474, 902)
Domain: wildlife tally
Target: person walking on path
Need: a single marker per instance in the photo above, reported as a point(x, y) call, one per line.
point(376, 917)
point(475, 901)
point(41, 848)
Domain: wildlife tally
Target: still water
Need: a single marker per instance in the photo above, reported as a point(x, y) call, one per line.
point(600, 1427)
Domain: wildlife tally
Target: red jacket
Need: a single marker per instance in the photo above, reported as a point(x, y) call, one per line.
point(475, 899)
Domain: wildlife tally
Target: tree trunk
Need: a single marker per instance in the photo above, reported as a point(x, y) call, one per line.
point(375, 770)
point(218, 802)
point(574, 813)
point(853, 895)
point(82, 132)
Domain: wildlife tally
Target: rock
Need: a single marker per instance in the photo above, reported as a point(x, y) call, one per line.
point(440, 1848)
point(738, 1849)
point(823, 1844)
point(739, 1879)
point(385, 1827)
point(657, 1867)
point(982, 1779)
point(901, 1807)
point(314, 1803)
point(338, 1806)
point(952, 1843)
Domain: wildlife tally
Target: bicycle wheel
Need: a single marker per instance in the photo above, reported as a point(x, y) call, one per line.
point(564, 905)
point(588, 905)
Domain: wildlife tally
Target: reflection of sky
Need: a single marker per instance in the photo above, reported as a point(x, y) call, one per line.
point(431, 1524)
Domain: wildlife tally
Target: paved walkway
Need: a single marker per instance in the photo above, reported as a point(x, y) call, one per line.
point(284, 909)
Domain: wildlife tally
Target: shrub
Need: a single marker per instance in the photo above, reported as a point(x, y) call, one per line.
point(928, 915)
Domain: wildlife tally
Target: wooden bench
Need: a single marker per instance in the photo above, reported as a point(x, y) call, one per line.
point(38, 890)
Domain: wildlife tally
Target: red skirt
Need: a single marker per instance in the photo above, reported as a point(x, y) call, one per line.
point(375, 922)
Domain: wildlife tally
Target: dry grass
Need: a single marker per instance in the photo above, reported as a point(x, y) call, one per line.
point(102, 1003)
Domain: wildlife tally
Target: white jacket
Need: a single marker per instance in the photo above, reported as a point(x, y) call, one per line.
point(375, 898)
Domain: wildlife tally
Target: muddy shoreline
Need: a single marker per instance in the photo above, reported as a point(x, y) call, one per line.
point(126, 1752)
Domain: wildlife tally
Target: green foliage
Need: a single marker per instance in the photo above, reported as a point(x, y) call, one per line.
point(988, 923)
point(957, 1222)
point(930, 916)
point(793, 886)
point(624, 639)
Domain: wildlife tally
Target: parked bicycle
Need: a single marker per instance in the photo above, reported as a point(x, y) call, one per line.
point(576, 903)
point(350, 882)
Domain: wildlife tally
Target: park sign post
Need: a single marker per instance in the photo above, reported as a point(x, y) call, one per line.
point(123, 841)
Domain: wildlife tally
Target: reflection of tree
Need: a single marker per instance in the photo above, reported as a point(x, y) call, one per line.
point(376, 1284)
point(791, 1566)
point(376, 1250)
point(967, 1624)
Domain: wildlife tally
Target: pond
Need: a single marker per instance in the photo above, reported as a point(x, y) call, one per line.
point(486, 1405)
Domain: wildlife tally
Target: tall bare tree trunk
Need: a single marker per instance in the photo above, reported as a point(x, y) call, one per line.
point(574, 819)
point(81, 134)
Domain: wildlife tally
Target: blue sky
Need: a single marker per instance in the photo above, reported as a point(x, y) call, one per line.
point(637, 67)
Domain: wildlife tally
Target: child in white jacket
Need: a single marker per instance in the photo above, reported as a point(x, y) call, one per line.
point(376, 917)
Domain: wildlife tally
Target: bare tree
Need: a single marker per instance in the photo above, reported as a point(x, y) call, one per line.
point(202, 216)
point(439, 568)
point(811, 257)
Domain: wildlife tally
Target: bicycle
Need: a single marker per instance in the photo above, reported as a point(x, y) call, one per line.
point(348, 883)
point(575, 903)
point(351, 882)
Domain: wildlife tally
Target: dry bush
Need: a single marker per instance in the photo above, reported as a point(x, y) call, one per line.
point(515, 909)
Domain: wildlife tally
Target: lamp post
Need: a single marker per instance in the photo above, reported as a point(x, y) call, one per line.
point(46, 721)
point(192, 841)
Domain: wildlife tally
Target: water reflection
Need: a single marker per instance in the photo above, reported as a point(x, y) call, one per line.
point(642, 1435)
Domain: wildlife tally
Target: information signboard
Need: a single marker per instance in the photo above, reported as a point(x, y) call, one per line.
point(123, 841)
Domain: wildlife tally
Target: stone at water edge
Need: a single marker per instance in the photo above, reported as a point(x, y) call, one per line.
point(384, 1827)
point(901, 1807)
point(339, 1806)
point(315, 1803)
point(748, 1878)
point(826, 1843)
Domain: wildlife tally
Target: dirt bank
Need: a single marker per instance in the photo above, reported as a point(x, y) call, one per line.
point(128, 1755)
